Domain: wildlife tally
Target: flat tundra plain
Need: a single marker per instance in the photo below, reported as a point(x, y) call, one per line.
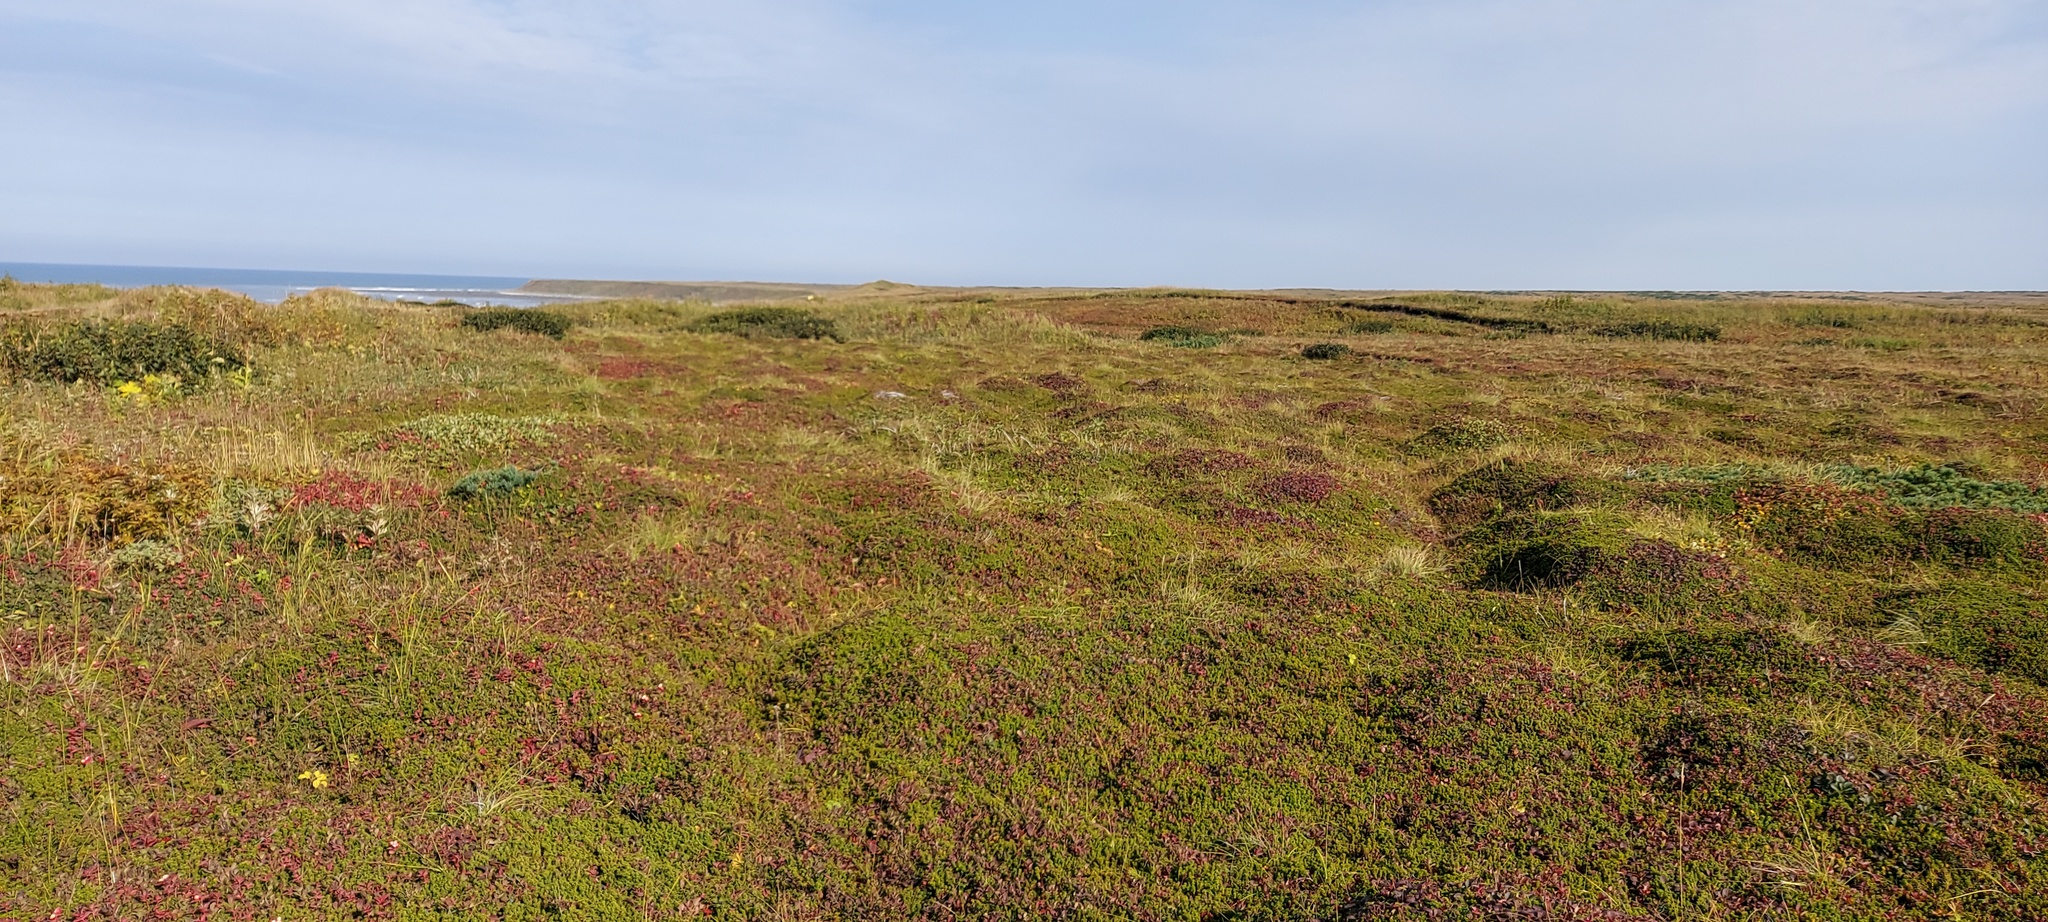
point(946, 603)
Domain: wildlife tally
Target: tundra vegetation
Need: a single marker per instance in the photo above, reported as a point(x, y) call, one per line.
point(907, 603)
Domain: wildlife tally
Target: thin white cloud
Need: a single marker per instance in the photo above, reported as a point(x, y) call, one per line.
point(1250, 141)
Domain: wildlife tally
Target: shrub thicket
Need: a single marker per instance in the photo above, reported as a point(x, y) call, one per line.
point(1324, 351)
point(112, 351)
point(525, 320)
point(769, 323)
point(1183, 337)
point(1661, 329)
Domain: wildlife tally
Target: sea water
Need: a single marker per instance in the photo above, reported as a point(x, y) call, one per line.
point(274, 285)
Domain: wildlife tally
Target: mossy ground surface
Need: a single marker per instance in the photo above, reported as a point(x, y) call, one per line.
point(990, 608)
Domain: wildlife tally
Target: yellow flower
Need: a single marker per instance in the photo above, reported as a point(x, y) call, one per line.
point(316, 778)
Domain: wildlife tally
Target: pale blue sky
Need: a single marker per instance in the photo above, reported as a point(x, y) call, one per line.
point(1627, 144)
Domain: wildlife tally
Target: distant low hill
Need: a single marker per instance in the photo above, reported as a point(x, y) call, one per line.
point(715, 292)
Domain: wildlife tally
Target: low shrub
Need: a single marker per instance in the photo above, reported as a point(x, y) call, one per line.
point(1183, 337)
point(503, 481)
point(1660, 329)
point(1982, 624)
point(1512, 486)
point(1822, 525)
point(1536, 551)
point(108, 352)
point(769, 323)
point(1307, 487)
point(1325, 351)
point(108, 502)
point(147, 554)
point(219, 316)
point(525, 320)
point(1983, 537)
point(1651, 574)
point(248, 508)
point(1766, 659)
point(1457, 436)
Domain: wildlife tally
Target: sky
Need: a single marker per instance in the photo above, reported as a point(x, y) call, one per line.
point(1474, 144)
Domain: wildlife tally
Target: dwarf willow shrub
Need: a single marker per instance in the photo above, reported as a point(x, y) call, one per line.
point(1458, 435)
point(1368, 326)
point(111, 351)
point(525, 320)
point(1183, 337)
point(769, 323)
point(1325, 351)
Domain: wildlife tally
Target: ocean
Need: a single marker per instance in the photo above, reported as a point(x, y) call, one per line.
point(274, 285)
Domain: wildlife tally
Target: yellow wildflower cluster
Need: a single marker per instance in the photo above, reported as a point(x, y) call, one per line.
point(151, 389)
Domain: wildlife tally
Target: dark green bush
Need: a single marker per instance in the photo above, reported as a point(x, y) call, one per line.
point(502, 481)
point(1661, 329)
point(1183, 337)
point(112, 351)
point(770, 323)
point(1324, 351)
point(1983, 538)
point(1530, 552)
point(525, 320)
